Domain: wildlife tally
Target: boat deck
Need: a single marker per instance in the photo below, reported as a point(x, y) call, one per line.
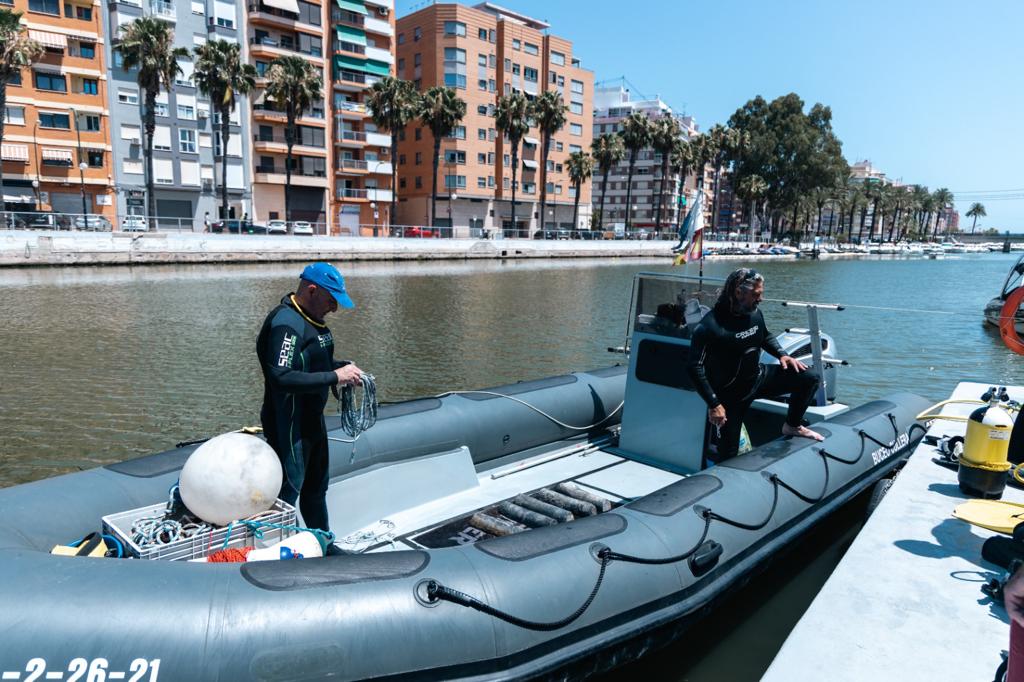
point(905, 602)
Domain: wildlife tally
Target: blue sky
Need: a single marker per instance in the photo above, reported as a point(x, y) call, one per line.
point(931, 92)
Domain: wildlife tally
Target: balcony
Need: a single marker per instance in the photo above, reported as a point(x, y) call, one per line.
point(353, 164)
point(353, 136)
point(380, 55)
point(279, 16)
point(350, 18)
point(378, 26)
point(351, 193)
point(352, 48)
point(378, 139)
point(349, 107)
point(163, 9)
point(378, 194)
point(268, 44)
point(280, 140)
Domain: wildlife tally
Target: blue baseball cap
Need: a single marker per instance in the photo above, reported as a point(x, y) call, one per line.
point(327, 276)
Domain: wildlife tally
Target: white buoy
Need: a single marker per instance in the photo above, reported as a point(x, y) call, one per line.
point(230, 477)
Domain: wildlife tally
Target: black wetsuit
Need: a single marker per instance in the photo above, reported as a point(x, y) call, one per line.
point(297, 358)
point(725, 366)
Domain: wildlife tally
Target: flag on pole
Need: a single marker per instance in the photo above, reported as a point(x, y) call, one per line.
point(691, 233)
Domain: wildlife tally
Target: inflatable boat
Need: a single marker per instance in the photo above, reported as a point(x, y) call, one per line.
point(550, 528)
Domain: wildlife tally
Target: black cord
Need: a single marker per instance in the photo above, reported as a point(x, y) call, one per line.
point(895, 429)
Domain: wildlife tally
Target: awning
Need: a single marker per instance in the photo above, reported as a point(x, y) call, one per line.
point(19, 199)
point(46, 39)
point(531, 140)
point(287, 5)
point(14, 152)
point(356, 6)
point(62, 155)
point(350, 34)
point(530, 164)
point(377, 68)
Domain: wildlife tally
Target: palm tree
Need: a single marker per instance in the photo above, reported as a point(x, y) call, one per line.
point(680, 162)
point(975, 211)
point(548, 112)
point(441, 110)
point(722, 142)
point(293, 84)
point(580, 167)
point(392, 104)
point(752, 188)
point(665, 132)
point(636, 135)
point(512, 118)
point(147, 44)
point(222, 75)
point(17, 50)
point(943, 198)
point(607, 151)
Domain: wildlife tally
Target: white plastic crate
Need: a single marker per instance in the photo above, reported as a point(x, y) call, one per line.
point(204, 543)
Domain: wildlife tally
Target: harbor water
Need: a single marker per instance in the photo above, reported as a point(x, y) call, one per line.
point(105, 364)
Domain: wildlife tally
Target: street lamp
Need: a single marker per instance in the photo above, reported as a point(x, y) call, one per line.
point(82, 165)
point(373, 207)
point(451, 197)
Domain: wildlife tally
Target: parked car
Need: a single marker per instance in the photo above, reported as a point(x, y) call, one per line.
point(302, 227)
point(277, 227)
point(237, 227)
point(41, 221)
point(545, 234)
point(414, 231)
point(92, 222)
point(134, 223)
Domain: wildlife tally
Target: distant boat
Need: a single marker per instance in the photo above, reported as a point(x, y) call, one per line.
point(1014, 280)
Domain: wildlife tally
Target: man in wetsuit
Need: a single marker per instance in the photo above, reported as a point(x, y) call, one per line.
point(296, 353)
point(725, 366)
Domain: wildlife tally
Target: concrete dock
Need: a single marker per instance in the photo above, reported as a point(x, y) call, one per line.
point(905, 602)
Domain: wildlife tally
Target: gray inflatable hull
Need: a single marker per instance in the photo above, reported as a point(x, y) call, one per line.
point(368, 615)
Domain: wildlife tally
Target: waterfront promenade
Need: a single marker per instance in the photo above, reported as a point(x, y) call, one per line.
point(21, 248)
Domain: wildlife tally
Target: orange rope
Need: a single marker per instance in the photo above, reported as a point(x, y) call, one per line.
point(230, 555)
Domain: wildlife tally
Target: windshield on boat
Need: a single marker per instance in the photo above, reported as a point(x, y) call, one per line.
point(670, 305)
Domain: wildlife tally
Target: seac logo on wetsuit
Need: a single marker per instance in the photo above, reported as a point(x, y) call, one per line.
point(325, 340)
point(284, 358)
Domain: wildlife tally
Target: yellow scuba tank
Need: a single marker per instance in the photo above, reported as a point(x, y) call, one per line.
point(984, 462)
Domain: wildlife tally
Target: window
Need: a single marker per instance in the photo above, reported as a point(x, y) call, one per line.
point(416, 34)
point(15, 78)
point(508, 64)
point(83, 13)
point(161, 109)
point(515, 69)
point(557, 58)
point(90, 86)
point(309, 13)
point(401, 39)
point(492, 85)
point(419, 134)
point(529, 187)
point(417, 59)
point(454, 181)
point(481, 133)
point(492, 36)
point(94, 158)
point(87, 50)
point(505, 158)
point(481, 34)
point(53, 82)
point(128, 96)
point(132, 133)
point(481, 60)
point(419, 182)
point(482, 84)
point(530, 48)
point(516, 44)
point(56, 157)
point(401, 65)
point(14, 116)
point(458, 133)
point(576, 107)
point(490, 181)
point(186, 111)
point(187, 140)
point(454, 156)
point(481, 182)
point(454, 28)
point(401, 183)
point(198, 7)
point(162, 138)
point(490, 158)
point(574, 148)
point(92, 123)
point(51, 120)
point(577, 87)
point(454, 67)
point(529, 74)
point(261, 68)
point(131, 167)
point(575, 129)
point(44, 7)
point(481, 157)
point(481, 109)
point(419, 158)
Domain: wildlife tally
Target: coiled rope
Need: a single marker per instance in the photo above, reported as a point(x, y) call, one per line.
point(437, 591)
point(358, 418)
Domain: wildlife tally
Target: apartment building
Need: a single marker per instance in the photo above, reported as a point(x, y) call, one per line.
point(613, 104)
point(56, 149)
point(363, 51)
point(187, 142)
point(484, 52)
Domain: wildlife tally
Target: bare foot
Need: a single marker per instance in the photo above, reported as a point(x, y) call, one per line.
point(801, 431)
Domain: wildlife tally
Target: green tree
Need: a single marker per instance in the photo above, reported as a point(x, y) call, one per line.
point(548, 112)
point(293, 85)
point(724, 143)
point(942, 199)
point(580, 167)
point(512, 118)
point(636, 135)
point(441, 110)
point(392, 105)
point(147, 44)
point(607, 151)
point(976, 211)
point(17, 51)
point(665, 132)
point(680, 162)
point(751, 189)
point(222, 75)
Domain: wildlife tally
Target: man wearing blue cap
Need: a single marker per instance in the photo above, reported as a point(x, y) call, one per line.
point(296, 353)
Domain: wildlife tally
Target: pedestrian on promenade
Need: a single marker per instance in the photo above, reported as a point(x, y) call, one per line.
point(725, 365)
point(296, 354)
point(206, 222)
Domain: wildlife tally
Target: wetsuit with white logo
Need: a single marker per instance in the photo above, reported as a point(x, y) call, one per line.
point(725, 366)
point(296, 355)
